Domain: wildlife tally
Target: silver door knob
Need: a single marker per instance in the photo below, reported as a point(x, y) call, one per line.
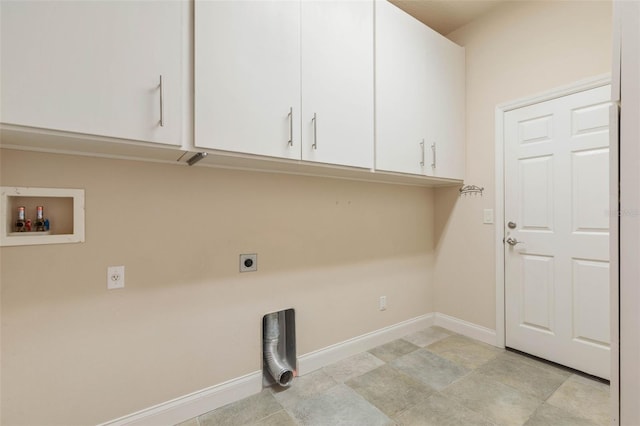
point(512, 241)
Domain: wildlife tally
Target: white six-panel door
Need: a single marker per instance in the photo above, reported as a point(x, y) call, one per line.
point(557, 230)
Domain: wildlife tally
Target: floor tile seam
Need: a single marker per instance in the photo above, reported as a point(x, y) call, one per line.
point(395, 417)
point(401, 412)
point(461, 401)
point(471, 343)
point(289, 411)
point(392, 418)
point(255, 421)
point(416, 349)
point(189, 420)
point(541, 363)
point(399, 356)
point(480, 371)
point(466, 373)
point(306, 398)
point(410, 342)
point(486, 377)
point(438, 354)
point(357, 394)
point(556, 389)
point(458, 401)
point(464, 376)
point(429, 344)
point(273, 414)
point(457, 364)
point(431, 391)
point(493, 422)
point(412, 378)
point(369, 352)
point(587, 380)
point(593, 386)
point(528, 394)
point(539, 366)
point(291, 415)
point(570, 413)
point(575, 413)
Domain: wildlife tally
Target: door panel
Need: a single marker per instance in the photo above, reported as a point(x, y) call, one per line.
point(337, 82)
point(557, 192)
point(448, 89)
point(536, 175)
point(538, 290)
point(404, 101)
point(94, 67)
point(535, 130)
point(247, 77)
point(420, 97)
point(591, 296)
point(589, 189)
point(591, 119)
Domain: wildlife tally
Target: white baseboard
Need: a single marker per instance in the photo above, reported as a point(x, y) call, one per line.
point(200, 402)
point(192, 405)
point(325, 356)
point(466, 328)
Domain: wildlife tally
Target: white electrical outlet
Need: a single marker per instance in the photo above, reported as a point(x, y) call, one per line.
point(382, 303)
point(115, 277)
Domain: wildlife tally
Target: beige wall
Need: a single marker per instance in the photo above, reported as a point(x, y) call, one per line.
point(75, 353)
point(517, 50)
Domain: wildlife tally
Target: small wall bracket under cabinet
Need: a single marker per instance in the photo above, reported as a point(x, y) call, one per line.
point(63, 210)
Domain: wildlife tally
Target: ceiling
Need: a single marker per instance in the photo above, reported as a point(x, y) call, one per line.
point(446, 16)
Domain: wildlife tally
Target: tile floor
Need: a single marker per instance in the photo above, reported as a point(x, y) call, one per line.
point(432, 377)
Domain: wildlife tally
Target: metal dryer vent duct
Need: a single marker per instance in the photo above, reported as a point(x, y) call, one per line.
point(275, 363)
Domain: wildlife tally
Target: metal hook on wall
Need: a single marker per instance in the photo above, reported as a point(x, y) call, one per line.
point(471, 189)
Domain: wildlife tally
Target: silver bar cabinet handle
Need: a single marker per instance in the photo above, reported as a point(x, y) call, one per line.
point(290, 115)
point(422, 149)
point(315, 134)
point(161, 103)
point(433, 149)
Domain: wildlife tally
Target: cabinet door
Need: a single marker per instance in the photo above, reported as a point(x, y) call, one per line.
point(337, 82)
point(247, 77)
point(404, 98)
point(448, 132)
point(94, 67)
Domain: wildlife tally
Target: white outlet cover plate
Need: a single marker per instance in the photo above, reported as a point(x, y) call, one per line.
point(488, 216)
point(115, 277)
point(382, 305)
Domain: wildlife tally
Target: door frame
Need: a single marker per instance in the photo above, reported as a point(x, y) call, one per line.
point(501, 109)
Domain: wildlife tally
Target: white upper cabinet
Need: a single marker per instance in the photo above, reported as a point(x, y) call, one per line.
point(94, 67)
point(265, 69)
point(355, 83)
point(404, 108)
point(247, 77)
point(337, 82)
point(448, 133)
point(420, 97)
